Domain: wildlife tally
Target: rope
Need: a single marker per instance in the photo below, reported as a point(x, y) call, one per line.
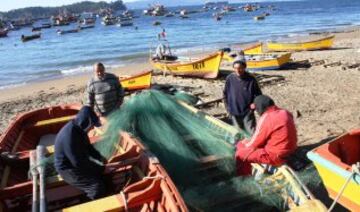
point(355, 169)
point(122, 194)
point(155, 177)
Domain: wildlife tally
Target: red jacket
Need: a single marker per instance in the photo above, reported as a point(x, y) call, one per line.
point(275, 133)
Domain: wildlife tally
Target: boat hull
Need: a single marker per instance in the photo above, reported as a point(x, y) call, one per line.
point(137, 82)
point(207, 67)
point(333, 162)
point(324, 43)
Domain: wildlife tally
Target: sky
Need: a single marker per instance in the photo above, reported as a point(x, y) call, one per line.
point(6, 5)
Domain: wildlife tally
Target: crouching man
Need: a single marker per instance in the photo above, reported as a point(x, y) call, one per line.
point(274, 139)
point(75, 156)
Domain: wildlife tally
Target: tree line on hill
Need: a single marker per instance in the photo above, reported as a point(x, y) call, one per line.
point(76, 8)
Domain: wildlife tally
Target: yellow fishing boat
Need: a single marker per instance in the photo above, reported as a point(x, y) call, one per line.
point(206, 67)
point(254, 49)
point(136, 82)
point(324, 43)
point(338, 164)
point(262, 62)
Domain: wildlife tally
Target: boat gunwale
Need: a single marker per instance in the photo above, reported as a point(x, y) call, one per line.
point(178, 63)
point(300, 43)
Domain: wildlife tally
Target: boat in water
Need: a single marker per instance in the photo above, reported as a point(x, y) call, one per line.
point(139, 181)
point(109, 20)
point(25, 38)
point(338, 164)
point(62, 32)
point(319, 44)
point(89, 26)
point(125, 21)
point(3, 33)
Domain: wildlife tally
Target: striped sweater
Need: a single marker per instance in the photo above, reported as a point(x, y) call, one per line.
point(104, 95)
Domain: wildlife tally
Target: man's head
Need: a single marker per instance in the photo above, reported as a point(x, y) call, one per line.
point(262, 103)
point(99, 70)
point(86, 119)
point(239, 66)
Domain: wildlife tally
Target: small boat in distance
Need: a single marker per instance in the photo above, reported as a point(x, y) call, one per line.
point(3, 33)
point(259, 18)
point(125, 21)
point(25, 38)
point(62, 32)
point(87, 26)
point(36, 29)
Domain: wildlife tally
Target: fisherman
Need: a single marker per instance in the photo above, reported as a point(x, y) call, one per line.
point(76, 160)
point(240, 90)
point(273, 141)
point(104, 91)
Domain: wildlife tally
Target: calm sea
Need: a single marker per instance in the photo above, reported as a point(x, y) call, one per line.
point(56, 56)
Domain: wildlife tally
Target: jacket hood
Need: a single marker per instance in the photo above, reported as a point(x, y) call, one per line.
point(86, 118)
point(262, 103)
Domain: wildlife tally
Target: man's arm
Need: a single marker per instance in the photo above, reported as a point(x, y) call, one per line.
point(257, 90)
point(90, 95)
point(261, 134)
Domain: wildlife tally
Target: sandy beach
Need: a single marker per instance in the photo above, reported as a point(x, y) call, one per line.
point(320, 88)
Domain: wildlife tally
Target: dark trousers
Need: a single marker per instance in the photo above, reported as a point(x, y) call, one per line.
point(93, 186)
point(246, 123)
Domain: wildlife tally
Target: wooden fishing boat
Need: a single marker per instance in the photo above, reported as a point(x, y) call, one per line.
point(62, 32)
point(87, 26)
point(259, 18)
point(263, 62)
point(251, 50)
point(136, 82)
point(36, 29)
point(3, 32)
point(206, 67)
point(296, 195)
point(338, 161)
point(324, 43)
point(25, 38)
point(144, 184)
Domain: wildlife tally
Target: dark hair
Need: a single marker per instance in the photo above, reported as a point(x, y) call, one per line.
point(241, 62)
point(100, 65)
point(262, 102)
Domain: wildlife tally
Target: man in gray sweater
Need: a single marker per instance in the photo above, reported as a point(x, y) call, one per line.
point(104, 91)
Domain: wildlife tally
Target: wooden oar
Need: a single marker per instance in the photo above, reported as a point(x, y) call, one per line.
point(34, 176)
point(40, 152)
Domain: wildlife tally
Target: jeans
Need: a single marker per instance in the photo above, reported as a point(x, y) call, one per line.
point(93, 186)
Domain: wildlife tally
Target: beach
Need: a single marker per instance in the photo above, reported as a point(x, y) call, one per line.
point(320, 88)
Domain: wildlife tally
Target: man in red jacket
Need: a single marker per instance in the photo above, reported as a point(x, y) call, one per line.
point(274, 139)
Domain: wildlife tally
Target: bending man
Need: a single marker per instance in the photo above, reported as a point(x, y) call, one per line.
point(75, 156)
point(273, 141)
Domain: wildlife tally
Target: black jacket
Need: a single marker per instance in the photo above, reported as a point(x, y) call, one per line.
point(72, 146)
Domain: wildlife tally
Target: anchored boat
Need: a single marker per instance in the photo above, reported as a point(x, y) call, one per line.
point(143, 183)
point(338, 164)
point(324, 43)
point(25, 38)
point(206, 67)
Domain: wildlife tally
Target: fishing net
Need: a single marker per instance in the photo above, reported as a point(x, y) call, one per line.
point(197, 154)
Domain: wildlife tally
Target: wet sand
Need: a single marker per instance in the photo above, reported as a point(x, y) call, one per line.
point(320, 88)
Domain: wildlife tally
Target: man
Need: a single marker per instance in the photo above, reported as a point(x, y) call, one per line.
point(104, 91)
point(75, 157)
point(240, 90)
point(273, 141)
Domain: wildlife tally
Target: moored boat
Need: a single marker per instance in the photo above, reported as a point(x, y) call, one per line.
point(136, 82)
point(25, 38)
point(62, 32)
point(259, 17)
point(143, 182)
point(206, 67)
point(323, 43)
point(3, 32)
point(338, 164)
point(87, 26)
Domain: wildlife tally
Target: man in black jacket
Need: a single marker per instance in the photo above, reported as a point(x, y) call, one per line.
point(76, 160)
point(240, 90)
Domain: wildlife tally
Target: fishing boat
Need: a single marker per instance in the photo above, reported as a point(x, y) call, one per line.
point(89, 26)
point(259, 18)
point(338, 164)
point(125, 21)
point(25, 38)
point(3, 32)
point(62, 32)
point(323, 43)
point(206, 67)
point(136, 82)
point(262, 62)
point(45, 26)
point(251, 50)
point(143, 182)
point(36, 29)
point(109, 20)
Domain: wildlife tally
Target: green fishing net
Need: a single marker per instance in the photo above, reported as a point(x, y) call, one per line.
point(198, 154)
